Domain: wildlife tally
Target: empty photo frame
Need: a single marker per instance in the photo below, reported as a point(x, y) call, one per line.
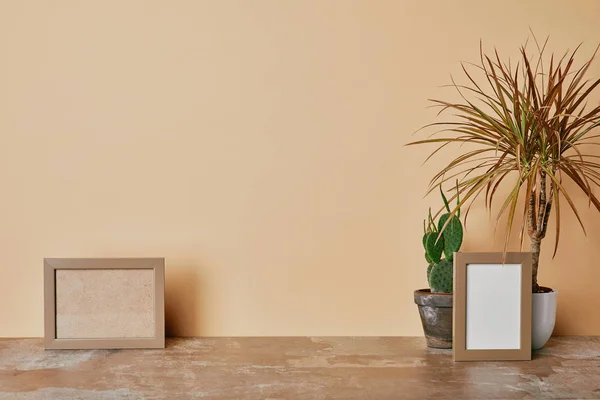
point(104, 303)
point(492, 307)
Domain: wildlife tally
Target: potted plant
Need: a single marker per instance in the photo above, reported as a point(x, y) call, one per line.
point(435, 304)
point(526, 124)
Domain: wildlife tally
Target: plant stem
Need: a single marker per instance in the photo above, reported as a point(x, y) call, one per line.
point(536, 243)
point(537, 229)
point(532, 230)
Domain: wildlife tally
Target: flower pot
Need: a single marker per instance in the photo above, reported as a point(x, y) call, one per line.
point(543, 317)
point(436, 316)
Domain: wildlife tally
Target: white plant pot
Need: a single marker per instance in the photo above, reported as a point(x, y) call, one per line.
point(543, 318)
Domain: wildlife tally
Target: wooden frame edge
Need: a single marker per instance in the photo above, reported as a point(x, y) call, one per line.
point(459, 351)
point(51, 342)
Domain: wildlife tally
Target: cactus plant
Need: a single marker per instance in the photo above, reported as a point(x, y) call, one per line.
point(434, 247)
point(453, 235)
point(444, 237)
point(440, 277)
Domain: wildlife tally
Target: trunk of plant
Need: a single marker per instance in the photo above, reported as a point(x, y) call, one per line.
point(535, 261)
point(537, 224)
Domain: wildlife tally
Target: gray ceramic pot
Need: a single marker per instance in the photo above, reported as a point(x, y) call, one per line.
point(543, 316)
point(436, 316)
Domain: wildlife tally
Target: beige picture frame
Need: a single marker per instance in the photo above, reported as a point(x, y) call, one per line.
point(460, 351)
point(75, 283)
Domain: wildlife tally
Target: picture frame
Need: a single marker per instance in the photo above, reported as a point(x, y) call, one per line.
point(492, 322)
point(104, 303)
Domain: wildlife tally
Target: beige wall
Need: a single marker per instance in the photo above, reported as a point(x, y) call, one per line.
point(258, 146)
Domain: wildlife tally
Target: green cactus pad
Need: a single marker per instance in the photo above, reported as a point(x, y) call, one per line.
point(453, 235)
point(434, 246)
point(440, 277)
point(429, 260)
point(429, 268)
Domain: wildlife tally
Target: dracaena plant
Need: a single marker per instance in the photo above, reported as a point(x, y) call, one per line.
point(526, 125)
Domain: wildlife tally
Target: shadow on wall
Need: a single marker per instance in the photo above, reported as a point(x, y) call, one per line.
point(182, 292)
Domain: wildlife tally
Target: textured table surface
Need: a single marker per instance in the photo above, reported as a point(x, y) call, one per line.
point(295, 368)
